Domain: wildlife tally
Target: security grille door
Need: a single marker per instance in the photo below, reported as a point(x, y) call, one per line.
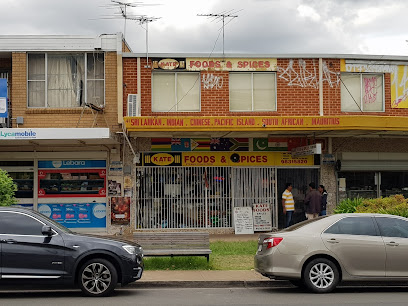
point(199, 197)
point(183, 197)
point(254, 186)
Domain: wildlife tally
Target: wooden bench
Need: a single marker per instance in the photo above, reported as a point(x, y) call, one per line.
point(174, 243)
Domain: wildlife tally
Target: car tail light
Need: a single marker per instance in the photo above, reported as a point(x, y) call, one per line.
point(272, 241)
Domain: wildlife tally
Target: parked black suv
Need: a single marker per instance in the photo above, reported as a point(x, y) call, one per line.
point(36, 250)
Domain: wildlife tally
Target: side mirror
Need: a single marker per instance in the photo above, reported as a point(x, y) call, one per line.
point(46, 230)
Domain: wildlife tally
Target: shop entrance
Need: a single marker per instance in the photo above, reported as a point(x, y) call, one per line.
point(199, 197)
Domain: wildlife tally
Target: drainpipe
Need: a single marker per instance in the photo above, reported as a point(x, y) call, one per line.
point(321, 85)
point(119, 73)
point(139, 85)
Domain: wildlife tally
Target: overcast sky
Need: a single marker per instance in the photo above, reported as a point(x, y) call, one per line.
point(262, 26)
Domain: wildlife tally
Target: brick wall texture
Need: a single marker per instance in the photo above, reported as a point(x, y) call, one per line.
point(297, 92)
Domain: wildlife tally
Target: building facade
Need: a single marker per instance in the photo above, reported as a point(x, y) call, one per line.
point(102, 139)
point(211, 134)
point(61, 133)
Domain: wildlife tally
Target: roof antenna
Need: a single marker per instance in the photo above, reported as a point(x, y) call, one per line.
point(124, 12)
point(221, 17)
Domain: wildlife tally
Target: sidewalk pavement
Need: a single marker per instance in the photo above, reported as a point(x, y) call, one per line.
point(205, 279)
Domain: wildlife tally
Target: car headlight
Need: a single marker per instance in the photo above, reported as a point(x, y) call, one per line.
point(133, 249)
point(129, 248)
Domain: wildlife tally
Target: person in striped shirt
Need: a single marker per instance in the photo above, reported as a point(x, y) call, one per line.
point(288, 203)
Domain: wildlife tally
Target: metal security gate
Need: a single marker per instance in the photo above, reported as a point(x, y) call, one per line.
point(255, 186)
point(198, 197)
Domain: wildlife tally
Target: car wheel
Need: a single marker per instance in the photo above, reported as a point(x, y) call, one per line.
point(321, 275)
point(97, 277)
point(297, 283)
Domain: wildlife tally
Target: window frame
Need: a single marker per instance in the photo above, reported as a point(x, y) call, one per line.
point(377, 220)
point(85, 92)
point(26, 215)
point(374, 223)
point(176, 102)
point(361, 74)
point(252, 73)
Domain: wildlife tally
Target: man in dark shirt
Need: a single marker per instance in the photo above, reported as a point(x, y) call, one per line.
point(313, 202)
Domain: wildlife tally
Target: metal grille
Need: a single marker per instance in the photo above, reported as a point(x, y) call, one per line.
point(198, 197)
point(255, 186)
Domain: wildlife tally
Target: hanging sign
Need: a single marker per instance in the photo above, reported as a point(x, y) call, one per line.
point(307, 150)
point(3, 99)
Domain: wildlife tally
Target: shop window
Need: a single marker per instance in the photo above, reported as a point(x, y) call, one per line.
point(358, 184)
point(67, 183)
point(58, 80)
point(24, 182)
point(176, 92)
point(362, 92)
point(252, 91)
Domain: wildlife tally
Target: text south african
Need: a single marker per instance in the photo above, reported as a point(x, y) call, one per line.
point(231, 121)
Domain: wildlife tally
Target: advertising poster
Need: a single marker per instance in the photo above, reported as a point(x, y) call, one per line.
point(262, 217)
point(120, 210)
point(114, 188)
point(76, 215)
point(243, 220)
point(127, 186)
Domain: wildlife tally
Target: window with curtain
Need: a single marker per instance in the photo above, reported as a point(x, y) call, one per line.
point(362, 92)
point(252, 91)
point(60, 80)
point(176, 92)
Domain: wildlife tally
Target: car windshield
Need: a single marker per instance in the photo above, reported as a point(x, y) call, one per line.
point(301, 224)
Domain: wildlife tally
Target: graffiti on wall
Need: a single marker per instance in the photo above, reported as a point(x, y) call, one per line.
point(297, 74)
point(399, 80)
point(211, 81)
point(370, 90)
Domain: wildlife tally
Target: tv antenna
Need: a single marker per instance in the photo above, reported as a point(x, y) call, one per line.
point(221, 17)
point(145, 20)
point(142, 19)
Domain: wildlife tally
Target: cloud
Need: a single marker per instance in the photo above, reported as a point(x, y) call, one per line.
point(262, 26)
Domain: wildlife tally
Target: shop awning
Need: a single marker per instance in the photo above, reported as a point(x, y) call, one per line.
point(55, 137)
point(262, 126)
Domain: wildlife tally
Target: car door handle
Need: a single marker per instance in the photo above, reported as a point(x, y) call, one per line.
point(10, 241)
point(392, 243)
point(332, 241)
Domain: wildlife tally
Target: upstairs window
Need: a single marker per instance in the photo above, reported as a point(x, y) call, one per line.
point(362, 92)
point(176, 92)
point(57, 80)
point(252, 92)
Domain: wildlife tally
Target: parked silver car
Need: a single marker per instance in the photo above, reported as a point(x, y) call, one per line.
point(320, 253)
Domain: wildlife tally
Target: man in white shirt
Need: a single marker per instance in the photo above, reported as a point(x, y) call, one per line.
point(288, 203)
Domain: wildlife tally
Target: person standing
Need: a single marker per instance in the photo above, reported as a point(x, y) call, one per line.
point(313, 202)
point(288, 204)
point(323, 192)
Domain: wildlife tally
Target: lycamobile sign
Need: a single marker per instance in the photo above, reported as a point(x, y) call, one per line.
point(19, 134)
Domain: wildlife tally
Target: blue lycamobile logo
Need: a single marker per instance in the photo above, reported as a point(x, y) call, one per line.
point(23, 134)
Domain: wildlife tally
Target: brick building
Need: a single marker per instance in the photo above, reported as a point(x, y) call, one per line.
point(60, 117)
point(211, 134)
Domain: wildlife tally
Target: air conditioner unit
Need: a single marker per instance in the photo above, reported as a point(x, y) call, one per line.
point(133, 105)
